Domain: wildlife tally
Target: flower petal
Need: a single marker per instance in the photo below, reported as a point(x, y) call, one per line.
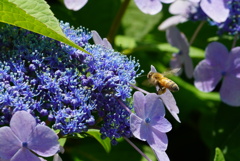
point(44, 141)
point(139, 103)
point(206, 77)
point(154, 106)
point(180, 8)
point(157, 140)
point(161, 155)
point(25, 154)
point(136, 125)
point(230, 90)
point(215, 9)
point(75, 5)
point(22, 124)
point(188, 66)
point(170, 104)
point(167, 1)
point(234, 62)
point(9, 143)
point(172, 21)
point(96, 37)
point(151, 7)
point(217, 55)
point(177, 39)
point(162, 124)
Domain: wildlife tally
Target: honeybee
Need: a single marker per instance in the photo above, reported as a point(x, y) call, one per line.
point(161, 82)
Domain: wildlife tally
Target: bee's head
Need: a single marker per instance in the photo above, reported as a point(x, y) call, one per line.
point(149, 74)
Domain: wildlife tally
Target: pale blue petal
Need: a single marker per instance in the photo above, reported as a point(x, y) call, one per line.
point(234, 62)
point(106, 43)
point(161, 155)
point(22, 124)
point(139, 103)
point(162, 124)
point(172, 21)
point(25, 155)
point(136, 125)
point(157, 140)
point(230, 90)
point(217, 55)
point(206, 77)
point(167, 1)
point(154, 106)
point(75, 5)
point(170, 103)
point(151, 7)
point(180, 8)
point(44, 141)
point(96, 37)
point(9, 143)
point(215, 9)
point(177, 39)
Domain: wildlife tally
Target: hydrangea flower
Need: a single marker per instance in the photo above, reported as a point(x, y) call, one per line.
point(98, 40)
point(183, 10)
point(168, 100)
point(182, 58)
point(229, 12)
point(24, 136)
point(64, 85)
point(218, 64)
point(149, 124)
point(216, 9)
point(75, 5)
point(151, 7)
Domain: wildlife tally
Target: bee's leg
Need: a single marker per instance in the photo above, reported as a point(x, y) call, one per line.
point(161, 90)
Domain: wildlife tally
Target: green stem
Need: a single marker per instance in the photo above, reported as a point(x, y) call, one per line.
point(116, 21)
point(196, 32)
point(235, 40)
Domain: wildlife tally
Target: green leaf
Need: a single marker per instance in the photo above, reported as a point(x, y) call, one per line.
point(106, 143)
point(62, 141)
point(35, 16)
point(218, 155)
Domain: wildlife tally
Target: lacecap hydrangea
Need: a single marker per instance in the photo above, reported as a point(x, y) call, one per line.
point(64, 87)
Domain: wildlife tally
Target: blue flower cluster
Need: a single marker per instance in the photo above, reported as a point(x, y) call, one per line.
point(63, 86)
point(232, 24)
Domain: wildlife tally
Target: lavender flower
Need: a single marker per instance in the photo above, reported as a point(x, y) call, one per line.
point(75, 5)
point(149, 124)
point(218, 64)
point(168, 100)
point(178, 40)
point(98, 40)
point(151, 7)
point(183, 10)
point(24, 136)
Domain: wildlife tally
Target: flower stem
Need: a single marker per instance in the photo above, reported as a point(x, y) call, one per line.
point(235, 40)
point(135, 147)
point(117, 20)
point(123, 105)
point(139, 89)
point(196, 32)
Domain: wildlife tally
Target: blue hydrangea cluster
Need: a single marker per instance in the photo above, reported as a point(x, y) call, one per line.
point(62, 86)
point(232, 24)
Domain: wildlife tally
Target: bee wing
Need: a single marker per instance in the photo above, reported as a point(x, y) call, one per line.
point(147, 83)
point(172, 72)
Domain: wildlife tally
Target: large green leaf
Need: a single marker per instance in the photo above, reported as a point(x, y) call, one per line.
point(106, 143)
point(35, 16)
